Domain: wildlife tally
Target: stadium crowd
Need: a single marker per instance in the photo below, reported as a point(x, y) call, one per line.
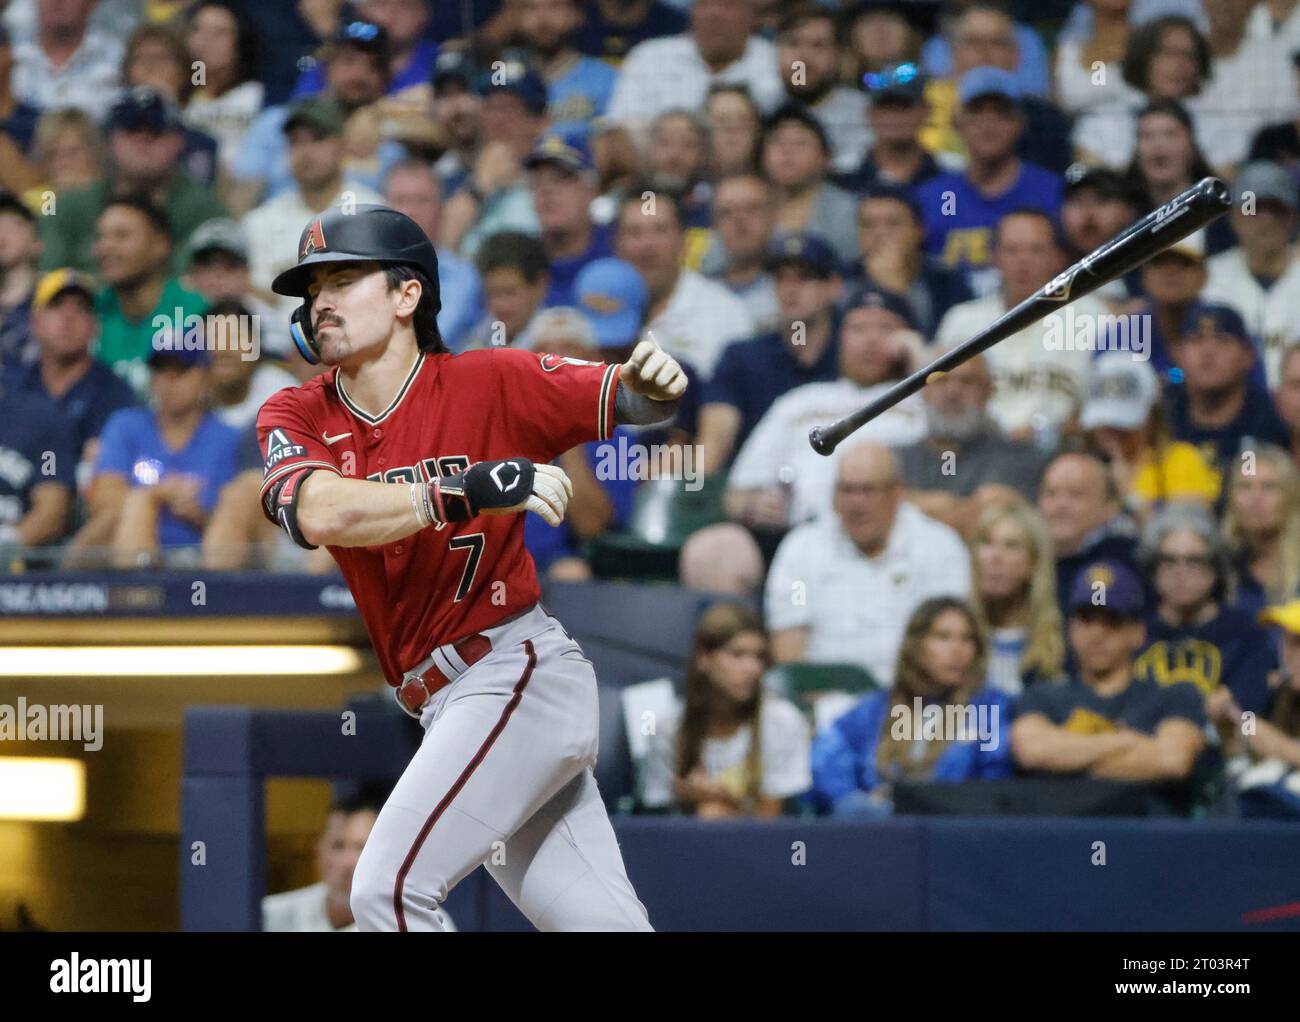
point(1093, 530)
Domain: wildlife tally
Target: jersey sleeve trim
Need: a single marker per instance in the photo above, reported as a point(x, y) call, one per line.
point(294, 466)
point(605, 406)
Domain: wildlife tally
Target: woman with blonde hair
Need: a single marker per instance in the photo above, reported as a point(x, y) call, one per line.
point(920, 730)
point(732, 749)
point(1014, 597)
point(1262, 523)
point(67, 153)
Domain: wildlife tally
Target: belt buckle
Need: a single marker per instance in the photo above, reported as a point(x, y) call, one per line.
point(411, 679)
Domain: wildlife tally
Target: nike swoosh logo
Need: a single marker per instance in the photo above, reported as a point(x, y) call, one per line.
point(331, 440)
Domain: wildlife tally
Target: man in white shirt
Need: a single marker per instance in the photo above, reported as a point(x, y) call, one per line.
point(1041, 373)
point(314, 129)
point(67, 65)
point(778, 480)
point(324, 907)
point(842, 589)
point(242, 379)
point(676, 72)
point(692, 318)
point(1260, 278)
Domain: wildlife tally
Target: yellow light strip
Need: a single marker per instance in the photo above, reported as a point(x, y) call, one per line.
point(42, 788)
point(173, 661)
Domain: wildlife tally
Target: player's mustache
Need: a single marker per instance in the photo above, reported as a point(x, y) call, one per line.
point(328, 319)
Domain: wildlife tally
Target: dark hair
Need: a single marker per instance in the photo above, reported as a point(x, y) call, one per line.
point(800, 115)
point(248, 55)
point(632, 197)
point(10, 203)
point(147, 208)
point(1145, 40)
point(1058, 237)
point(513, 250)
point(1199, 167)
point(895, 194)
point(428, 337)
point(716, 627)
point(801, 13)
point(357, 797)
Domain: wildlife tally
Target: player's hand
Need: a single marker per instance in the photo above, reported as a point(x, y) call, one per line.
point(652, 372)
point(549, 496)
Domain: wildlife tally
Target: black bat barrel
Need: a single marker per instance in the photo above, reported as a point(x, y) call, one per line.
point(1185, 214)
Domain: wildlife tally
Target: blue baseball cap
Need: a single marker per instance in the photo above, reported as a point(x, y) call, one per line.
point(1110, 586)
point(989, 81)
point(613, 295)
point(515, 77)
point(1204, 317)
point(568, 152)
point(809, 250)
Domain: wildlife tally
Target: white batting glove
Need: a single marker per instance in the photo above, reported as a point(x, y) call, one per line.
point(652, 372)
point(551, 493)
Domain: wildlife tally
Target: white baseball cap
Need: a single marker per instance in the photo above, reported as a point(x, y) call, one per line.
point(1121, 391)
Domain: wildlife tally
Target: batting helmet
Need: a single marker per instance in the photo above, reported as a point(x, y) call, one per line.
point(368, 233)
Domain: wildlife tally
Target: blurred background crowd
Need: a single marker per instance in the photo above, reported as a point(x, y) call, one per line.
point(1092, 531)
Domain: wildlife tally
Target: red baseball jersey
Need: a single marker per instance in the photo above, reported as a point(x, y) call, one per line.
point(446, 581)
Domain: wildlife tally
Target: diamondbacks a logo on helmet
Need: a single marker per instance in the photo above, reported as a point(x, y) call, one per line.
point(313, 240)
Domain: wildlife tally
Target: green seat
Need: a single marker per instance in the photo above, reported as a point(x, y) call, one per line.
point(664, 514)
point(802, 683)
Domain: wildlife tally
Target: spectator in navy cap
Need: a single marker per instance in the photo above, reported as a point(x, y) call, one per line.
point(796, 157)
point(1217, 405)
point(891, 235)
point(145, 143)
point(495, 196)
point(752, 374)
point(897, 115)
point(1103, 723)
point(563, 184)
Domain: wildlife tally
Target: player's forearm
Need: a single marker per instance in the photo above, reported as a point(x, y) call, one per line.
point(1148, 759)
point(335, 511)
point(1038, 745)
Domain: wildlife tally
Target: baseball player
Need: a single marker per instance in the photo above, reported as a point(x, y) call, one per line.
point(414, 467)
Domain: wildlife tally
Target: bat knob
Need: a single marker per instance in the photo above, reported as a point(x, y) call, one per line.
point(821, 443)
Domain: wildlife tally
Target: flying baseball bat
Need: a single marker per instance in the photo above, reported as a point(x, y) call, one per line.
point(1201, 204)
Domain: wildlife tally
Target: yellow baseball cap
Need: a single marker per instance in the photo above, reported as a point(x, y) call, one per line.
point(1286, 615)
point(56, 282)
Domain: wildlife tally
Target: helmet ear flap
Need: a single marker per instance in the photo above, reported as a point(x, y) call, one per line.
point(304, 338)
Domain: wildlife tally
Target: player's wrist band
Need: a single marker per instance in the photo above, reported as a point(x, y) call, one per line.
point(419, 505)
